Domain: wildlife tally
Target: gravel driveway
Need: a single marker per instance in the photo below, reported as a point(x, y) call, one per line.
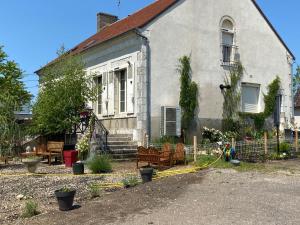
point(208, 197)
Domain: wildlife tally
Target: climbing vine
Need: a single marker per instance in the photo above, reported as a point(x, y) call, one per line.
point(232, 98)
point(270, 102)
point(270, 98)
point(188, 92)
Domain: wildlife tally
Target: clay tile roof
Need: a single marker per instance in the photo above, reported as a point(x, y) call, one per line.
point(134, 21)
point(297, 99)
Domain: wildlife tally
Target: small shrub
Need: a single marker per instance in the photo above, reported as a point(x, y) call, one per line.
point(30, 209)
point(167, 139)
point(284, 147)
point(284, 152)
point(213, 135)
point(94, 190)
point(100, 164)
point(83, 147)
point(130, 181)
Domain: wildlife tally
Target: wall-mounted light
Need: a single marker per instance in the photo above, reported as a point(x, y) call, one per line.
point(222, 87)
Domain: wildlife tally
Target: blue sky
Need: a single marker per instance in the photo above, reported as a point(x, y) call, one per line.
point(32, 30)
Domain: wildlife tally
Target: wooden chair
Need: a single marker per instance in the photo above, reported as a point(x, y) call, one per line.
point(179, 154)
point(52, 149)
point(166, 155)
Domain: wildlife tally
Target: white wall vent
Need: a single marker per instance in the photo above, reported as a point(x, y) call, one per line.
point(170, 121)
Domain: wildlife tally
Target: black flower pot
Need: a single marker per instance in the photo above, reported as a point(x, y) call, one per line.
point(146, 174)
point(65, 199)
point(78, 168)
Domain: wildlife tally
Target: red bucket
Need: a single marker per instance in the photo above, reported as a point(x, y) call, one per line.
point(70, 157)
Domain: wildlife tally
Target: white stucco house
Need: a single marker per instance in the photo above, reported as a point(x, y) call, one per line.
point(135, 60)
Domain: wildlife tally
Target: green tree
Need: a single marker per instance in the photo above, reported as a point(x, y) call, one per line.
point(296, 80)
point(65, 89)
point(13, 96)
point(188, 91)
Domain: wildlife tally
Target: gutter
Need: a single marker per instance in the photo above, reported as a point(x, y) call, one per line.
point(148, 83)
point(292, 85)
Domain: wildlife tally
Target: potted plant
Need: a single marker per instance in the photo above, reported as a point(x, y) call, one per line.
point(146, 174)
point(65, 198)
point(31, 163)
point(83, 147)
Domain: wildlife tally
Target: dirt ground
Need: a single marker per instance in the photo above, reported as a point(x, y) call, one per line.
point(214, 196)
point(14, 182)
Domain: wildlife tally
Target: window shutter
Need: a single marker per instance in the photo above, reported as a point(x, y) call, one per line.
point(170, 121)
point(111, 105)
point(250, 96)
point(94, 103)
point(130, 89)
point(104, 94)
point(178, 122)
point(162, 121)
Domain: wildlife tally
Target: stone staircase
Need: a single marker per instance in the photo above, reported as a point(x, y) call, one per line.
point(121, 147)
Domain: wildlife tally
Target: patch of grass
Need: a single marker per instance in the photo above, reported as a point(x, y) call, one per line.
point(221, 164)
point(100, 164)
point(94, 190)
point(130, 181)
point(30, 209)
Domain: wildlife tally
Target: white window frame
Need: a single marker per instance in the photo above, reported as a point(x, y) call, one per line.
point(125, 86)
point(254, 85)
point(234, 44)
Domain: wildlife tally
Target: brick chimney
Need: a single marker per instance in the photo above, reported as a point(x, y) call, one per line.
point(104, 19)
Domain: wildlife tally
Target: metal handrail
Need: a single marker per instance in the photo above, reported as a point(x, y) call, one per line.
point(102, 131)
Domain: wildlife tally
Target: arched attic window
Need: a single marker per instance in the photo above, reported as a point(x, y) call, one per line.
point(227, 41)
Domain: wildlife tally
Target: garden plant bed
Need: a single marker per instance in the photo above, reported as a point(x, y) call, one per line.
point(15, 182)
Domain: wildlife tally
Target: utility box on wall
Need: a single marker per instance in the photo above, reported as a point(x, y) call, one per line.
point(170, 124)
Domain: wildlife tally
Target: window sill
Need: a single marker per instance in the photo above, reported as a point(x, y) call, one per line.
point(120, 116)
point(228, 64)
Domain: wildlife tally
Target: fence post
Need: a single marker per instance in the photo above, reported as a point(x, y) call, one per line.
point(266, 142)
point(147, 141)
point(233, 143)
point(195, 148)
point(296, 140)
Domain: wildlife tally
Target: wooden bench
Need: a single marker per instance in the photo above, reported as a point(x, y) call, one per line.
point(52, 149)
point(154, 156)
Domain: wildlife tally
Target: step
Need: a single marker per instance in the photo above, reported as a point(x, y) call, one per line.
point(124, 157)
point(109, 139)
point(112, 147)
point(120, 143)
point(122, 151)
point(120, 135)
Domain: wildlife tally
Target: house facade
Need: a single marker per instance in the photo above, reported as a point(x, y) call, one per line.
point(135, 61)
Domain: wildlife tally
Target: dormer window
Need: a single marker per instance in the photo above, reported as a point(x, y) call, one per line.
point(228, 46)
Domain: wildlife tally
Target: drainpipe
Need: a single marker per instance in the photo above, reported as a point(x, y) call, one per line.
point(148, 81)
point(292, 93)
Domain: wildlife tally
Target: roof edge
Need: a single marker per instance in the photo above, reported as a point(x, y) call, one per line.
point(273, 28)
